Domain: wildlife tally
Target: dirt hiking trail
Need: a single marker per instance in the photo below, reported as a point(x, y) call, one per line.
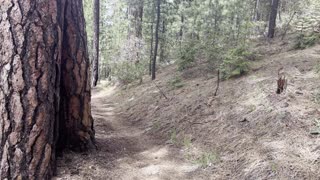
point(246, 132)
point(124, 152)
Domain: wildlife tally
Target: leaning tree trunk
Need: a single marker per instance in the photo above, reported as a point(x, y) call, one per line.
point(273, 17)
point(29, 87)
point(76, 123)
point(95, 63)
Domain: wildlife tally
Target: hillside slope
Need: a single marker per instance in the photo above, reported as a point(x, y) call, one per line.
point(247, 131)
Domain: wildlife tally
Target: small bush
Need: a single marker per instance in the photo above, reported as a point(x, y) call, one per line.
point(127, 72)
point(207, 159)
point(316, 97)
point(187, 142)
point(173, 137)
point(304, 41)
point(317, 69)
point(176, 83)
point(235, 63)
point(316, 130)
point(214, 56)
point(187, 55)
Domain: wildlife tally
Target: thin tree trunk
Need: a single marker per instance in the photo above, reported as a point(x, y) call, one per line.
point(29, 95)
point(76, 123)
point(152, 38)
point(181, 30)
point(151, 50)
point(156, 40)
point(256, 11)
point(139, 29)
point(163, 42)
point(273, 17)
point(288, 24)
point(95, 68)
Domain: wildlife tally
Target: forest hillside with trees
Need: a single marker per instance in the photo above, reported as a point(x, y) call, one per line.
point(160, 89)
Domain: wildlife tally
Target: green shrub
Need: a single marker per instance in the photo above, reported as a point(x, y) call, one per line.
point(303, 41)
point(207, 159)
point(176, 83)
point(173, 137)
point(235, 63)
point(127, 72)
point(213, 56)
point(187, 55)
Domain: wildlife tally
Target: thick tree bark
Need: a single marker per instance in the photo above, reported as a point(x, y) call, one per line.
point(29, 87)
point(76, 123)
point(35, 81)
point(95, 69)
point(153, 74)
point(273, 17)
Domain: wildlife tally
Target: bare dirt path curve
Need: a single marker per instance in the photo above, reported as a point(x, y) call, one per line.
point(124, 152)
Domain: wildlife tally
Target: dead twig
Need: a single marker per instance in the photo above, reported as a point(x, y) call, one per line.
point(161, 92)
point(218, 84)
point(287, 26)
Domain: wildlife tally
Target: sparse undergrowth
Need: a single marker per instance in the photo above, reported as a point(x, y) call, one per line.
point(303, 41)
point(187, 55)
point(235, 63)
point(175, 83)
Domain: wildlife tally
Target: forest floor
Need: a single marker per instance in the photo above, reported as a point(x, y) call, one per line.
point(246, 132)
point(124, 152)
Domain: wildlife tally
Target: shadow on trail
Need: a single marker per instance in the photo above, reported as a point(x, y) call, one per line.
point(124, 151)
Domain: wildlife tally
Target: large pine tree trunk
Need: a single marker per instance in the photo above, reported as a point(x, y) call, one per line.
point(76, 123)
point(95, 63)
point(29, 87)
point(273, 17)
point(44, 85)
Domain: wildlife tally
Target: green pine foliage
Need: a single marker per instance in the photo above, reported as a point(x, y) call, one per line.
point(193, 32)
point(303, 41)
point(235, 63)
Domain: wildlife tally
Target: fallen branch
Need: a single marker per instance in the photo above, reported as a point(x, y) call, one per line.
point(218, 83)
point(161, 92)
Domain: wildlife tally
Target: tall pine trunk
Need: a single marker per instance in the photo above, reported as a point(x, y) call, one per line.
point(273, 17)
point(76, 123)
point(95, 68)
point(29, 95)
point(153, 74)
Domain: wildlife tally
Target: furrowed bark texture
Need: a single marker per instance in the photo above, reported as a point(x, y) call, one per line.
point(44, 85)
point(76, 123)
point(29, 87)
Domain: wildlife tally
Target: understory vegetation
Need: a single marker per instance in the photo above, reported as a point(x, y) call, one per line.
point(216, 32)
